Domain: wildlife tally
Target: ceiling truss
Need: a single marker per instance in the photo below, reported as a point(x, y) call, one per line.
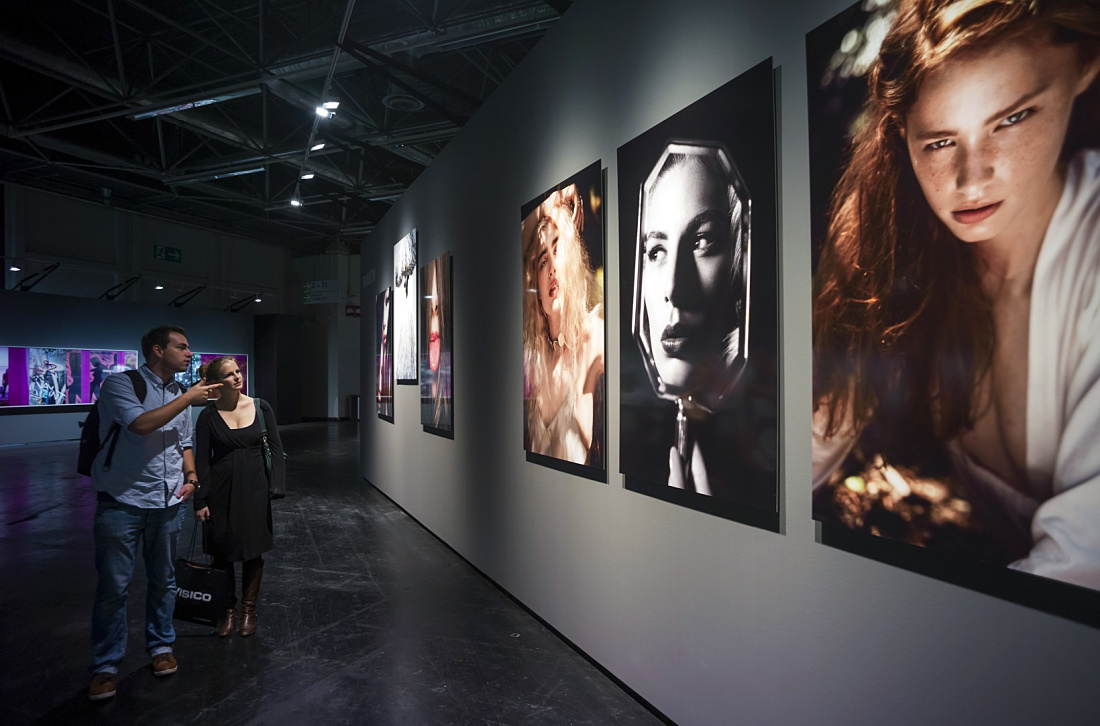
point(204, 111)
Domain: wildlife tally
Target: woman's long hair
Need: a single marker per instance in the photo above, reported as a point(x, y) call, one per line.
point(577, 290)
point(902, 330)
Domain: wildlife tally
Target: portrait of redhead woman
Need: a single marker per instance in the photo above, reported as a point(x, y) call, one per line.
point(956, 313)
point(233, 502)
point(563, 334)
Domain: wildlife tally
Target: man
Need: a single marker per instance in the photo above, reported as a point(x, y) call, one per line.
point(152, 471)
point(692, 297)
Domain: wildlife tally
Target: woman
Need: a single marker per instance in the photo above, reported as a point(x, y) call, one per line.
point(955, 333)
point(691, 302)
point(563, 335)
point(435, 373)
point(233, 501)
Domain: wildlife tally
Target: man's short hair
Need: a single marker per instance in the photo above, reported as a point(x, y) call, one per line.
point(158, 336)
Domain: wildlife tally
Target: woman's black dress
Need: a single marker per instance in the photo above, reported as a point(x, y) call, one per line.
point(233, 476)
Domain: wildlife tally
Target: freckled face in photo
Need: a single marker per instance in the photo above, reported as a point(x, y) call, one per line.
point(985, 134)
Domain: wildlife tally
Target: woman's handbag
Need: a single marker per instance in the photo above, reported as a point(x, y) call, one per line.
point(202, 591)
point(275, 489)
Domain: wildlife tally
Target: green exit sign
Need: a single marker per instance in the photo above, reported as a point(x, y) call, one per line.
point(167, 254)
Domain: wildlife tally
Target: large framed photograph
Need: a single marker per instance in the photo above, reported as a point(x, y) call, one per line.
point(436, 345)
point(406, 308)
point(955, 181)
point(699, 305)
point(383, 362)
point(564, 401)
point(34, 377)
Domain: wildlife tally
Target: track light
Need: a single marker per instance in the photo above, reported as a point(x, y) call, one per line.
point(307, 175)
point(258, 299)
point(331, 105)
point(324, 112)
point(15, 268)
point(317, 147)
point(295, 202)
point(158, 287)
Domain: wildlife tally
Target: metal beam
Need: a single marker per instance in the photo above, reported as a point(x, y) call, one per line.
point(415, 73)
point(353, 50)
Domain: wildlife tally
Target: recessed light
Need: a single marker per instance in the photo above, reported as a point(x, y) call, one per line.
point(159, 287)
point(14, 268)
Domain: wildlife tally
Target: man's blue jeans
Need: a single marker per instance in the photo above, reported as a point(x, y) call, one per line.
point(119, 528)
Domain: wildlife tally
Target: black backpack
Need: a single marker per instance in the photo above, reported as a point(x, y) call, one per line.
point(90, 445)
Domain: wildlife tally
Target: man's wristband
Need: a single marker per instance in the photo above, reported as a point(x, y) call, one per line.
point(192, 481)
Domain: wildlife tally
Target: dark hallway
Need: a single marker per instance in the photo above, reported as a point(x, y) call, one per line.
point(365, 617)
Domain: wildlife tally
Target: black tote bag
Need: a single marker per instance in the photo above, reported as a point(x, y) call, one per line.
point(202, 592)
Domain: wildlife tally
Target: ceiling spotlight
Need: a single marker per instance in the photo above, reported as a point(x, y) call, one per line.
point(317, 147)
point(258, 300)
point(15, 268)
point(159, 287)
point(324, 112)
point(331, 105)
point(307, 175)
point(295, 202)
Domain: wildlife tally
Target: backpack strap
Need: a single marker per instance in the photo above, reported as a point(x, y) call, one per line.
point(141, 388)
point(263, 435)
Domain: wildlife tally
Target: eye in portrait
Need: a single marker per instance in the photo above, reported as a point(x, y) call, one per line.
point(697, 255)
point(436, 329)
point(955, 169)
point(561, 233)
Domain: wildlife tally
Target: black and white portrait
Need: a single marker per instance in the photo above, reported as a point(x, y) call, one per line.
point(697, 255)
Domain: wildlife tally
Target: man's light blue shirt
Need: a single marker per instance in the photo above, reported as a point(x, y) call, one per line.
point(146, 471)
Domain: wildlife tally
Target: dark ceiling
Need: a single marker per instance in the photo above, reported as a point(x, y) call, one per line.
point(204, 110)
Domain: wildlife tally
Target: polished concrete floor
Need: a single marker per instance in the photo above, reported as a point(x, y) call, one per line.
point(365, 618)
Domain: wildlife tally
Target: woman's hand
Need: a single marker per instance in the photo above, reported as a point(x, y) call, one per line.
point(203, 514)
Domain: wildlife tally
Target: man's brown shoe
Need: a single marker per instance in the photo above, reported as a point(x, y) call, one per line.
point(103, 686)
point(164, 664)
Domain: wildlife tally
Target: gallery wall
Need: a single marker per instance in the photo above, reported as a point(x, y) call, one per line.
point(33, 320)
point(709, 620)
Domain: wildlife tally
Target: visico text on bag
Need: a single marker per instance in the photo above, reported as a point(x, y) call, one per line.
point(194, 595)
point(202, 592)
point(90, 445)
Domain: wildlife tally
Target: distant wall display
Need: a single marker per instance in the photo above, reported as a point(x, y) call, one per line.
point(383, 362)
point(699, 305)
point(562, 238)
point(191, 376)
point(405, 309)
point(436, 333)
point(57, 376)
point(955, 179)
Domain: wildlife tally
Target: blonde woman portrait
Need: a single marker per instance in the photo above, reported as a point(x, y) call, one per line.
point(563, 327)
